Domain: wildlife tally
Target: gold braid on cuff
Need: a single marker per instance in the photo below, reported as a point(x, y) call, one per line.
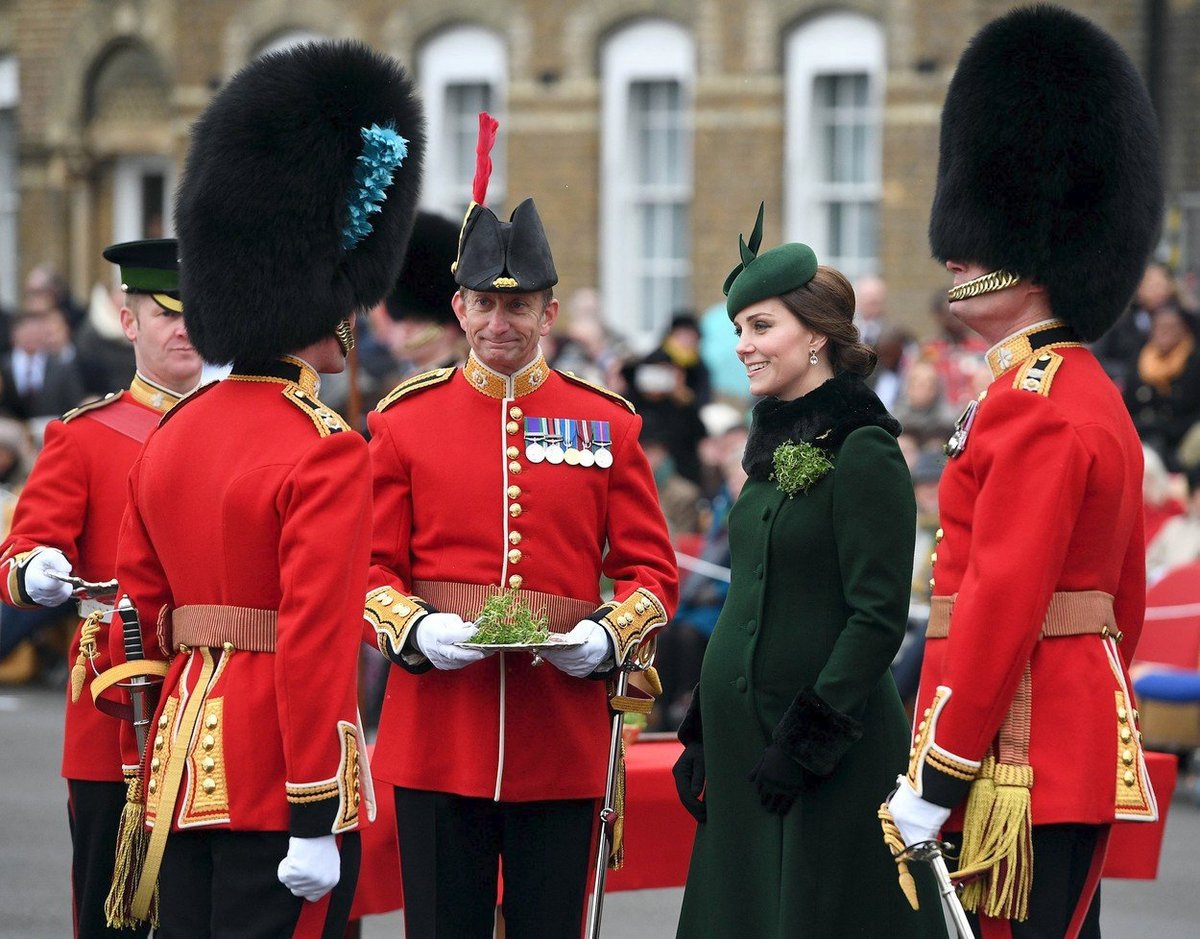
point(987, 283)
point(631, 621)
point(392, 615)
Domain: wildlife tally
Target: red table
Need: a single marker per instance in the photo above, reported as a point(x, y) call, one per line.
point(658, 833)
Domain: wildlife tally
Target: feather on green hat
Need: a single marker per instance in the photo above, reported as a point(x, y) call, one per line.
point(769, 274)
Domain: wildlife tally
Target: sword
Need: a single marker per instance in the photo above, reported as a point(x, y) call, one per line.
point(932, 853)
point(608, 812)
point(86, 589)
point(139, 686)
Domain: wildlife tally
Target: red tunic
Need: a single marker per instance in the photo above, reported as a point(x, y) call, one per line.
point(458, 499)
point(73, 501)
point(1046, 498)
point(254, 495)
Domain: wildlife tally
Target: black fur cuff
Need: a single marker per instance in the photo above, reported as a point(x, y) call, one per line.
point(814, 734)
point(689, 728)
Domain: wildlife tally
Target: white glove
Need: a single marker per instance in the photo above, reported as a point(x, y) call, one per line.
point(436, 635)
point(580, 661)
point(312, 867)
point(917, 819)
point(41, 587)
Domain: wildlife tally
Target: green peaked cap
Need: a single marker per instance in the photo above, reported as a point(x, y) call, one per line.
point(770, 274)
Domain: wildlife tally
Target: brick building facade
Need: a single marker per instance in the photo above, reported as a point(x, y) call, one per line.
point(648, 130)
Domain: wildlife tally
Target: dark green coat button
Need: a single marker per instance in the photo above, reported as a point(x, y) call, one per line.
point(752, 627)
point(741, 684)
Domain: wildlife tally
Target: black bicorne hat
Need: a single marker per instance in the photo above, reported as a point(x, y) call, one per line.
point(509, 257)
point(150, 267)
point(297, 200)
point(426, 284)
point(496, 256)
point(1049, 163)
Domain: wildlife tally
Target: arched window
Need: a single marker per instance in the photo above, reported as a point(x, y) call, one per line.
point(834, 88)
point(648, 70)
point(127, 101)
point(462, 71)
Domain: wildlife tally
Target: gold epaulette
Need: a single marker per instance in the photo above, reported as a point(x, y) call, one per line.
point(1036, 374)
point(599, 389)
point(324, 418)
point(416, 383)
point(111, 398)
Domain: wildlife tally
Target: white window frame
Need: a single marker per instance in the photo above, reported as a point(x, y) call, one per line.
point(10, 190)
point(460, 55)
point(127, 195)
point(839, 43)
point(645, 51)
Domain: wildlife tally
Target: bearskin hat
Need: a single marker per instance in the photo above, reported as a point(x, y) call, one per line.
point(426, 284)
point(1049, 163)
point(298, 196)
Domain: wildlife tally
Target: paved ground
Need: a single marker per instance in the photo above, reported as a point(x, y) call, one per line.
point(34, 850)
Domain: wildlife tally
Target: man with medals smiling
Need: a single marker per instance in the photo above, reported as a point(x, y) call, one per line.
point(1049, 197)
point(66, 522)
point(493, 756)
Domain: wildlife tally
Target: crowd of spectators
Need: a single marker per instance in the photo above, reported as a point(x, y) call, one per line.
point(693, 397)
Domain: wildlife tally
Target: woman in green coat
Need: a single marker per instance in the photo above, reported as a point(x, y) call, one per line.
point(796, 729)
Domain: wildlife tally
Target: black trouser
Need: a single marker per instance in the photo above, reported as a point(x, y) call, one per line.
point(225, 885)
point(450, 847)
point(1062, 859)
point(94, 812)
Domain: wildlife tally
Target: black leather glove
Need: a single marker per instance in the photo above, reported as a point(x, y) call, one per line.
point(689, 780)
point(779, 780)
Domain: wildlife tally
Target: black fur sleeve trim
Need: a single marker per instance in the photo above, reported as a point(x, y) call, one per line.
point(815, 735)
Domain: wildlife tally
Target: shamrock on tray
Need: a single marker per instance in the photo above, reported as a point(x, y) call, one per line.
point(506, 619)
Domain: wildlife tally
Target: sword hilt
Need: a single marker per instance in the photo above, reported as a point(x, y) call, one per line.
point(131, 635)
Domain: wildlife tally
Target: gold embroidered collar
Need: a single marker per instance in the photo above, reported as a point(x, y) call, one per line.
point(1020, 346)
point(153, 395)
point(287, 368)
point(496, 385)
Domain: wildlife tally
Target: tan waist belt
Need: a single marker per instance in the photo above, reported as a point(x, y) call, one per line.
point(213, 625)
point(1071, 613)
point(466, 600)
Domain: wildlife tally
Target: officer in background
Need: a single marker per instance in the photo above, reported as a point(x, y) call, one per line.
point(1048, 202)
point(422, 331)
point(66, 522)
point(246, 543)
point(505, 473)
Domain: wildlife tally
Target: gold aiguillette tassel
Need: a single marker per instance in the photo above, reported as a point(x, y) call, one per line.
point(895, 844)
point(87, 650)
point(132, 840)
point(616, 857)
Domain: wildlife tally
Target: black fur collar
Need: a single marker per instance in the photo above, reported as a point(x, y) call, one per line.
point(824, 417)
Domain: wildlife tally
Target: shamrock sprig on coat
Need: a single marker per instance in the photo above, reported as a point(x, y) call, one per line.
point(798, 466)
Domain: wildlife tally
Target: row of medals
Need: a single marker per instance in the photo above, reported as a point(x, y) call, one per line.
point(555, 453)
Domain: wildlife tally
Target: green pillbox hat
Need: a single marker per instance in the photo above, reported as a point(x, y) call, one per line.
point(770, 274)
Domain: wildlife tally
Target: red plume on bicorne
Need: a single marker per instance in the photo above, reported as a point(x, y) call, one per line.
point(488, 126)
